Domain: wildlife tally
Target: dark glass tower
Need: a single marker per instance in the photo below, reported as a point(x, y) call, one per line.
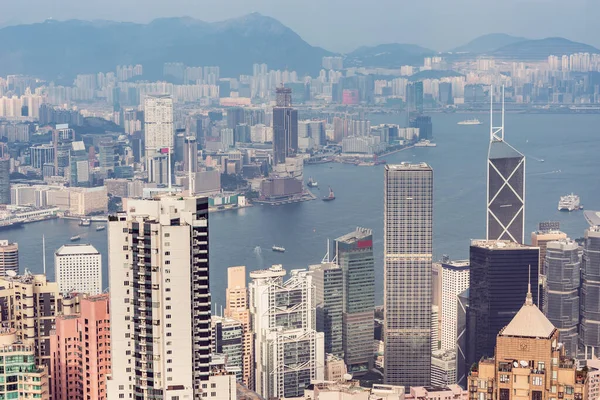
point(589, 329)
point(500, 272)
point(355, 255)
point(328, 281)
point(408, 225)
point(285, 126)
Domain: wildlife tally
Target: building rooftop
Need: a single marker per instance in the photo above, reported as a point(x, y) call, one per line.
point(358, 234)
point(406, 166)
point(592, 217)
point(76, 249)
point(500, 244)
point(529, 322)
point(501, 149)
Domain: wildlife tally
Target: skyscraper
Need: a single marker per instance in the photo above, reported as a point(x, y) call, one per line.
point(9, 257)
point(408, 220)
point(78, 268)
point(5, 180)
point(547, 232)
point(228, 339)
point(455, 280)
point(289, 352)
point(500, 272)
point(158, 125)
point(561, 292)
point(237, 307)
point(354, 253)
point(285, 126)
point(329, 300)
point(589, 328)
point(505, 186)
point(160, 298)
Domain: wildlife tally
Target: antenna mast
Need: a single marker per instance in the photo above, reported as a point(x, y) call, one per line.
point(496, 132)
point(44, 253)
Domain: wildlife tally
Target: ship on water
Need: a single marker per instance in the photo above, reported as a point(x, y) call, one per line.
point(569, 202)
point(425, 143)
point(329, 197)
point(473, 121)
point(312, 182)
point(75, 238)
point(10, 224)
point(100, 228)
point(278, 249)
point(85, 222)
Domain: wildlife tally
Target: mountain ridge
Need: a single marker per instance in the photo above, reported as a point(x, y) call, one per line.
point(488, 42)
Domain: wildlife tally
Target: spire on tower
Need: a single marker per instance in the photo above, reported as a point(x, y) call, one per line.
point(529, 298)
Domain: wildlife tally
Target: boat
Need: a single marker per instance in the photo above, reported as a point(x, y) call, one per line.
point(425, 143)
point(10, 224)
point(473, 121)
point(330, 197)
point(85, 222)
point(75, 238)
point(312, 183)
point(569, 202)
point(100, 228)
point(279, 249)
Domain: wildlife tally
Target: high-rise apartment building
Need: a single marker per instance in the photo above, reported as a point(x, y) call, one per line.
point(21, 376)
point(562, 266)
point(159, 298)
point(529, 363)
point(29, 304)
point(329, 302)
point(499, 274)
point(228, 339)
point(80, 347)
point(289, 352)
point(589, 328)
point(9, 257)
point(505, 188)
point(78, 269)
point(408, 225)
point(285, 126)
point(354, 253)
point(455, 280)
point(237, 308)
point(158, 125)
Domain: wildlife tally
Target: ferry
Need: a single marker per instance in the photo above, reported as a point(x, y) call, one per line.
point(330, 197)
point(425, 143)
point(100, 228)
point(569, 202)
point(312, 183)
point(75, 238)
point(278, 249)
point(473, 121)
point(85, 222)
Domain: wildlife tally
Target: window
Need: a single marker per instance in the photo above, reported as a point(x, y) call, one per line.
point(537, 381)
point(167, 253)
point(504, 378)
point(167, 234)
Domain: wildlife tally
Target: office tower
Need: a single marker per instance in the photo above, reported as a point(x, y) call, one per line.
point(443, 368)
point(9, 257)
point(407, 224)
point(414, 92)
point(159, 168)
point(179, 151)
point(285, 126)
point(529, 363)
point(445, 93)
point(455, 280)
point(289, 352)
point(21, 376)
point(5, 180)
point(547, 232)
point(561, 292)
point(79, 165)
point(424, 125)
point(235, 116)
point(29, 304)
point(158, 124)
point(589, 328)
point(329, 287)
point(190, 149)
point(462, 345)
point(354, 253)
point(505, 187)
point(500, 270)
point(78, 268)
point(106, 155)
point(435, 328)
point(228, 339)
point(237, 308)
point(160, 299)
point(80, 348)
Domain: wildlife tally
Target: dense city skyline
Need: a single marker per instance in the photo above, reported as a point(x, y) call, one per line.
point(339, 27)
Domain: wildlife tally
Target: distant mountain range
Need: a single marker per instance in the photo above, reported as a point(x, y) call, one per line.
point(392, 55)
point(542, 48)
point(63, 49)
point(488, 43)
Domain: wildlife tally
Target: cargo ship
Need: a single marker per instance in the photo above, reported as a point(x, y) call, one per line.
point(330, 197)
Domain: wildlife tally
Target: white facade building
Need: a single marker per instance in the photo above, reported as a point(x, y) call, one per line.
point(78, 269)
point(160, 299)
point(289, 353)
point(455, 280)
point(158, 126)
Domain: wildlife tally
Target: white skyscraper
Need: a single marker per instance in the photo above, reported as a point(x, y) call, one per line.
point(78, 269)
point(455, 280)
point(160, 299)
point(289, 353)
point(158, 126)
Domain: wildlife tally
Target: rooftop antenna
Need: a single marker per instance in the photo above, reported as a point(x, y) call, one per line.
point(529, 298)
point(496, 132)
point(44, 252)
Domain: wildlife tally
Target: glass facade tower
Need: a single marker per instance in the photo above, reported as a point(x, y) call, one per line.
point(589, 330)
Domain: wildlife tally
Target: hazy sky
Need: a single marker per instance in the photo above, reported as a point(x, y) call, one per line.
point(342, 25)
